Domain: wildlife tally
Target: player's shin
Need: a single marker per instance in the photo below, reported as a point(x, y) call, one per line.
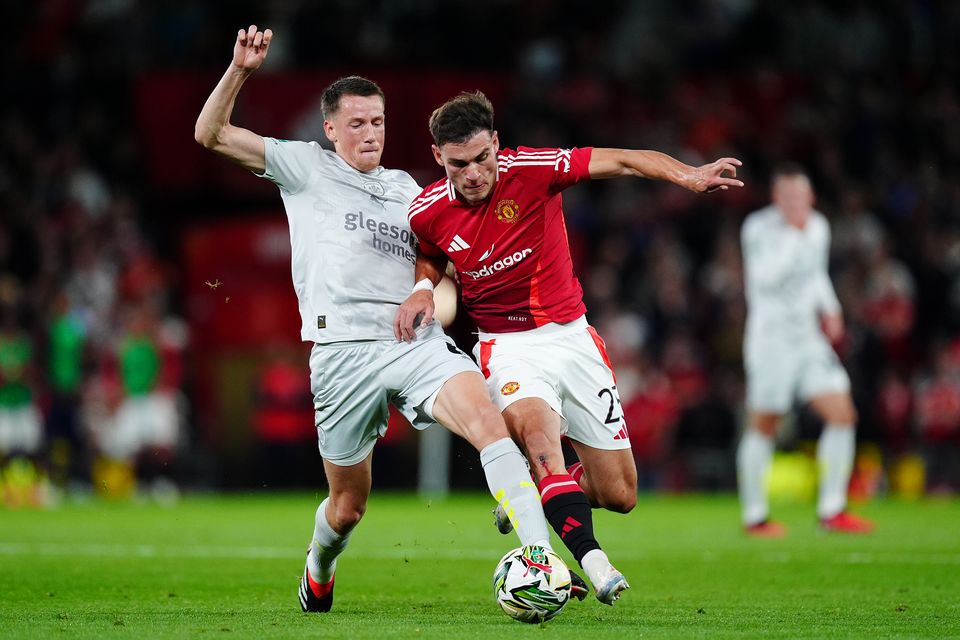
point(753, 463)
point(325, 546)
point(568, 511)
point(835, 452)
point(510, 484)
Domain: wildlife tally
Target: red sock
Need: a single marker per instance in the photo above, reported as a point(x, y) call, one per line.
point(576, 471)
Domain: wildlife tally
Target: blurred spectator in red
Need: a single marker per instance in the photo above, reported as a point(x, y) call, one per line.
point(937, 413)
point(283, 419)
point(889, 304)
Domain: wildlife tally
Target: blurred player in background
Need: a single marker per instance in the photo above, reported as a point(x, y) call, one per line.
point(22, 478)
point(793, 317)
point(498, 217)
point(353, 258)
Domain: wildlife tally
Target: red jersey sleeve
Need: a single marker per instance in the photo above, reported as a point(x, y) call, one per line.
point(428, 248)
point(558, 168)
point(419, 218)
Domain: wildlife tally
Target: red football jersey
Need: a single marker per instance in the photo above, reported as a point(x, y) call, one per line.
point(511, 251)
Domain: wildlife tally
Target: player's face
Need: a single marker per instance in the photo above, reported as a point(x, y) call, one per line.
point(793, 196)
point(471, 165)
point(357, 130)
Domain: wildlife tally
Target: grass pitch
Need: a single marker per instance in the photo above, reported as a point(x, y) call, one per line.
point(229, 567)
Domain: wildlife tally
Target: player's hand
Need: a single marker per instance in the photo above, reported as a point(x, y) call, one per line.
point(251, 48)
point(419, 303)
point(718, 175)
point(832, 324)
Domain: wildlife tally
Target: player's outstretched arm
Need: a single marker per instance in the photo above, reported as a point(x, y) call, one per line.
point(213, 129)
point(613, 163)
point(420, 302)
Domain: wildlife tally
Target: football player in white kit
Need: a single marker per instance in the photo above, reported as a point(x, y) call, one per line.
point(352, 264)
point(792, 317)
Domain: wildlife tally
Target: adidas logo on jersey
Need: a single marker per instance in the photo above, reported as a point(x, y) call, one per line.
point(458, 244)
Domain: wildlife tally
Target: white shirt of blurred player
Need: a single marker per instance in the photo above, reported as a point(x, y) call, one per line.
point(787, 280)
point(352, 248)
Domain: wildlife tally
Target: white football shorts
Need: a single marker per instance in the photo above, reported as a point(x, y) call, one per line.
point(353, 382)
point(20, 430)
point(779, 373)
point(565, 365)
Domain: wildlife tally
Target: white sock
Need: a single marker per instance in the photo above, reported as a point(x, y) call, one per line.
point(511, 486)
point(596, 565)
point(835, 451)
point(753, 464)
point(326, 545)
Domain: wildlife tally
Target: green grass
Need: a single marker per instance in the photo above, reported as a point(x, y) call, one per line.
point(228, 567)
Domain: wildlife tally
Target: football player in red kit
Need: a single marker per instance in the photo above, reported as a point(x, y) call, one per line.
point(498, 217)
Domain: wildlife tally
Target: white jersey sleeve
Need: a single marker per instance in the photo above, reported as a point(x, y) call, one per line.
point(289, 162)
point(826, 296)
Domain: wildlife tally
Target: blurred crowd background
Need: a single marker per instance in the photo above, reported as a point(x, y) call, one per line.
point(148, 326)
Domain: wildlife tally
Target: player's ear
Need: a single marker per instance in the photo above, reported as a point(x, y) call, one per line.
point(495, 140)
point(436, 154)
point(330, 131)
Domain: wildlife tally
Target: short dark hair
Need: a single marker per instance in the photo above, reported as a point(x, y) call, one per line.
point(349, 86)
point(788, 169)
point(459, 119)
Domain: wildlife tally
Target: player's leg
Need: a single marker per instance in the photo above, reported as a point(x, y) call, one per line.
point(463, 406)
point(351, 413)
point(836, 449)
point(335, 519)
point(537, 427)
point(825, 385)
point(773, 374)
point(608, 477)
point(754, 455)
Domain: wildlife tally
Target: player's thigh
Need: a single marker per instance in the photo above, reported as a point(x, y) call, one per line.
point(417, 373)
point(463, 406)
point(350, 402)
point(772, 372)
point(517, 371)
point(823, 379)
point(349, 491)
point(611, 476)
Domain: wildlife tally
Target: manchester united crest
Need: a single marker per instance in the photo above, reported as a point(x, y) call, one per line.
point(508, 211)
point(509, 388)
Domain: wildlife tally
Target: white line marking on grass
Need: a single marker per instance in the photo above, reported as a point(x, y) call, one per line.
point(93, 550)
point(860, 557)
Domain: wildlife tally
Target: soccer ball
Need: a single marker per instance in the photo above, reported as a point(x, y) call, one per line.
point(531, 584)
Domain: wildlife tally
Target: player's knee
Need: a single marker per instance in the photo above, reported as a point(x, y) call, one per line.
point(623, 503)
point(485, 426)
point(842, 414)
point(621, 500)
point(850, 415)
point(347, 514)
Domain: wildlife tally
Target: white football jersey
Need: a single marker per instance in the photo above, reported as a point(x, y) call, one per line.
point(352, 248)
point(786, 277)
